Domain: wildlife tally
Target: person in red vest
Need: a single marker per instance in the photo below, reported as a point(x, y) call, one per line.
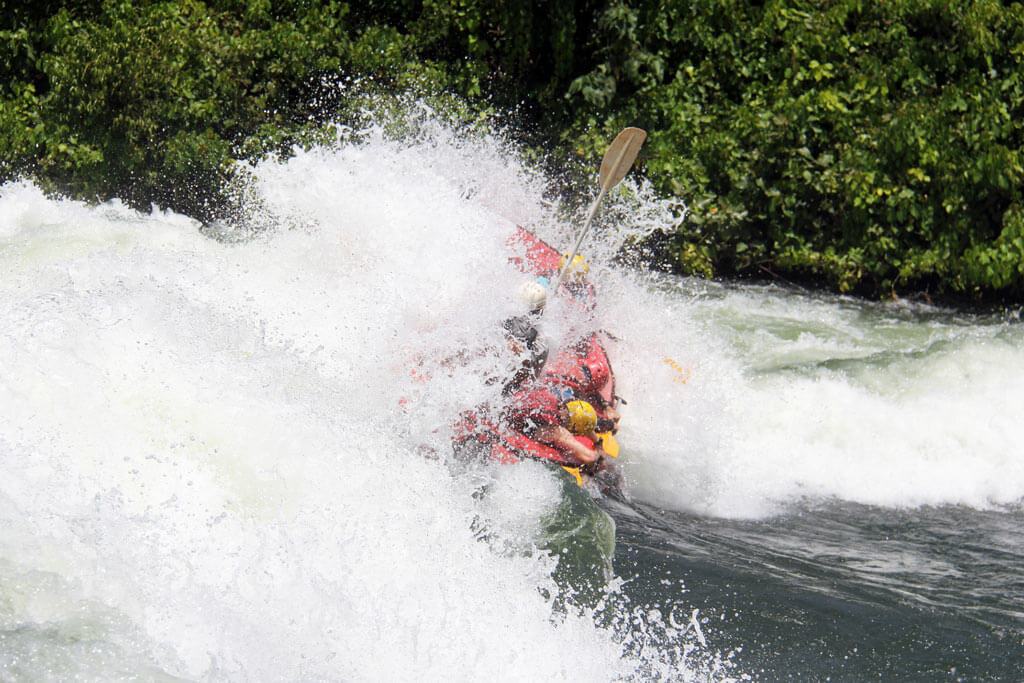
point(583, 371)
point(534, 424)
point(538, 413)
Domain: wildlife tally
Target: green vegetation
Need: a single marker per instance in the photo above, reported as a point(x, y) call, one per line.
point(873, 147)
point(152, 101)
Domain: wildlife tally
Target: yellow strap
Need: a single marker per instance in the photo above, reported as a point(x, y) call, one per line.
point(609, 443)
point(575, 472)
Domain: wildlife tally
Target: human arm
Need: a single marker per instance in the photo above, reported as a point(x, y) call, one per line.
point(560, 437)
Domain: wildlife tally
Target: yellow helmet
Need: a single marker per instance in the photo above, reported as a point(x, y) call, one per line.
point(582, 417)
point(578, 267)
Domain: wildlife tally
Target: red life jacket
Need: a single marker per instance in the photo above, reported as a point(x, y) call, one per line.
point(585, 369)
point(533, 407)
point(513, 447)
point(511, 441)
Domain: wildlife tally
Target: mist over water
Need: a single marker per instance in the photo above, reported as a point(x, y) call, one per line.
point(218, 463)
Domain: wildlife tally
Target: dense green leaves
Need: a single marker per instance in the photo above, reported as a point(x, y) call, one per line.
point(874, 147)
point(153, 101)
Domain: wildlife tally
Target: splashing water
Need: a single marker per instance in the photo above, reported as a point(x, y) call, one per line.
point(225, 459)
point(213, 449)
point(816, 398)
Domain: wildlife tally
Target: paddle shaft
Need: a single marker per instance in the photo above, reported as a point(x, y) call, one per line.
point(582, 236)
point(614, 166)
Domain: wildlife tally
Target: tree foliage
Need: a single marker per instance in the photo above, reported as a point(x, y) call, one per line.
point(873, 147)
point(153, 101)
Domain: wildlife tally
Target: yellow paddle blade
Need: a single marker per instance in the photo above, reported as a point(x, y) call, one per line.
point(620, 156)
point(682, 375)
point(575, 472)
point(609, 443)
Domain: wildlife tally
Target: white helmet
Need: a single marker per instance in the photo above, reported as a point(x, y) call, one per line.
point(532, 295)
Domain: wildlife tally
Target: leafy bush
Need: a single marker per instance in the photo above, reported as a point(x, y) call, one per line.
point(873, 147)
point(153, 101)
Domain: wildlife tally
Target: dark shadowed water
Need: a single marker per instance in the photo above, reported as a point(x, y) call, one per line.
point(841, 591)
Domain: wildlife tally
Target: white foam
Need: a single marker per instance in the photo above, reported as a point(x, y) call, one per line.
point(207, 471)
point(808, 397)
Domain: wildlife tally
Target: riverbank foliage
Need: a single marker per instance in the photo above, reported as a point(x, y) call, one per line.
point(869, 147)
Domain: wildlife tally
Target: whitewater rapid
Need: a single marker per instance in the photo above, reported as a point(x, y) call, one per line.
point(217, 464)
point(881, 404)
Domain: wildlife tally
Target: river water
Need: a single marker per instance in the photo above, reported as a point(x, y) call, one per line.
point(224, 451)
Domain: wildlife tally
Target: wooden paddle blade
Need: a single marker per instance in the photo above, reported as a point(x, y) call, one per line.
point(620, 156)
